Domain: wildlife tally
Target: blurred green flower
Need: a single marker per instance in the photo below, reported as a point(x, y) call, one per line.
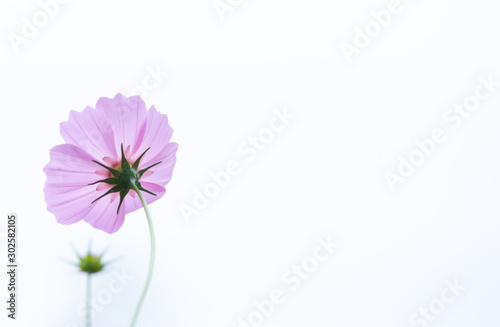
point(90, 263)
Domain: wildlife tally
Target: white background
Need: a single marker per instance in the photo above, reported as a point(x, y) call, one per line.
point(321, 176)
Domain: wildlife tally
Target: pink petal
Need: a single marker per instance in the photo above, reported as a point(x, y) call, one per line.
point(132, 204)
point(156, 136)
point(103, 215)
point(162, 173)
point(91, 131)
point(67, 193)
point(70, 166)
point(127, 117)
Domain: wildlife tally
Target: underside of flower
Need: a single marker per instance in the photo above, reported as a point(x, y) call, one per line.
point(124, 178)
point(90, 264)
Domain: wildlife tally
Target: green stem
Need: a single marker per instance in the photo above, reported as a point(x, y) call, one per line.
point(151, 257)
point(89, 293)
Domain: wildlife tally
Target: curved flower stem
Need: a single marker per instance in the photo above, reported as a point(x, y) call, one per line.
point(151, 257)
point(89, 293)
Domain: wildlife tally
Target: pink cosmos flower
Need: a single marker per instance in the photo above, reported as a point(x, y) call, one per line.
point(109, 148)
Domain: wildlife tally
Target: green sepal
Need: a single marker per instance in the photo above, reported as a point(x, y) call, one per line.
point(113, 171)
point(136, 163)
point(125, 164)
point(139, 186)
point(110, 181)
point(141, 172)
point(123, 194)
point(124, 180)
point(113, 190)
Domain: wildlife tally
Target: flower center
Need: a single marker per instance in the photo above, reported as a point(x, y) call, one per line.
point(124, 177)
